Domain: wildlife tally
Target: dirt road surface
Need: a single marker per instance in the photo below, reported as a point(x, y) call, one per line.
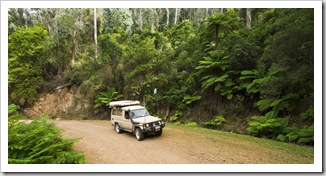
point(102, 145)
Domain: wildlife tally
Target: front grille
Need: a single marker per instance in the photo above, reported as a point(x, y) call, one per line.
point(153, 124)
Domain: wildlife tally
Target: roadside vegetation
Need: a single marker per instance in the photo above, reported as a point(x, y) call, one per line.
point(38, 142)
point(246, 71)
point(299, 152)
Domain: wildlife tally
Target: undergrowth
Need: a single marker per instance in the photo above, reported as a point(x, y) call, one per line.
point(39, 142)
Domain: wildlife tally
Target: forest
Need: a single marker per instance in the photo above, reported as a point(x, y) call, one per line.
point(247, 71)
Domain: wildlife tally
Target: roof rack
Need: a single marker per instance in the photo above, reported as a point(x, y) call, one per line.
point(123, 103)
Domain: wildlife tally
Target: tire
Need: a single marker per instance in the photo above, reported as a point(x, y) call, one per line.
point(117, 128)
point(139, 134)
point(159, 133)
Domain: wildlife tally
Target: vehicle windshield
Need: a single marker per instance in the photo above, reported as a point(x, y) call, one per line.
point(138, 113)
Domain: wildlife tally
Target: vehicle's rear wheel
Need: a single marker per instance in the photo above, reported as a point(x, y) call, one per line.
point(159, 133)
point(117, 128)
point(139, 134)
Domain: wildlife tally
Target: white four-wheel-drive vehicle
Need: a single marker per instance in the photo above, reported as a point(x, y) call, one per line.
point(129, 116)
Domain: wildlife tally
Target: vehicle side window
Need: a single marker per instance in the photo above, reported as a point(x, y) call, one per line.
point(126, 114)
point(119, 112)
point(114, 111)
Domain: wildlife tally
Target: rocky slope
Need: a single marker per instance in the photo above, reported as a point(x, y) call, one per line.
point(64, 103)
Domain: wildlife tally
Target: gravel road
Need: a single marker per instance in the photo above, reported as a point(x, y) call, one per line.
point(102, 145)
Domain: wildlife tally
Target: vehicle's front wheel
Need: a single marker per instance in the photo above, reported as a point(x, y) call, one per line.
point(139, 134)
point(117, 128)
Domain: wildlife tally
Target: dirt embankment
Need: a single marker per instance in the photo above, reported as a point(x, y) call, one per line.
point(64, 103)
point(102, 145)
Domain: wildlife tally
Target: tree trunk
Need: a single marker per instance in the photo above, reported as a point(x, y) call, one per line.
point(176, 16)
point(216, 35)
point(248, 18)
point(167, 114)
point(73, 48)
point(140, 19)
point(221, 10)
point(167, 17)
point(212, 11)
point(152, 27)
point(21, 17)
point(95, 32)
point(206, 12)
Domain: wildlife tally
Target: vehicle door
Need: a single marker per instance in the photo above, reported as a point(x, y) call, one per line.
point(114, 115)
point(126, 120)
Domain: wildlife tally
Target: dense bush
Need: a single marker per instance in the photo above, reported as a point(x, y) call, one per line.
point(39, 142)
point(215, 123)
point(298, 135)
point(262, 126)
point(26, 52)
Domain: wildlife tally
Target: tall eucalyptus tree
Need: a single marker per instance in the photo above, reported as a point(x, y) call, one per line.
point(95, 32)
point(248, 18)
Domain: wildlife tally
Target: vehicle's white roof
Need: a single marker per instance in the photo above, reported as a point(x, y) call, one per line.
point(128, 108)
point(123, 103)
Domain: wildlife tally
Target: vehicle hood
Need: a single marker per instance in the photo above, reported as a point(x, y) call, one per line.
point(146, 119)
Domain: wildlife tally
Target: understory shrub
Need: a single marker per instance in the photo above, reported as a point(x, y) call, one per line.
point(39, 142)
point(215, 123)
point(192, 124)
point(298, 135)
point(262, 126)
point(176, 116)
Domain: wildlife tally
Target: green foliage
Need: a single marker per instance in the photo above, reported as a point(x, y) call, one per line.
point(252, 80)
point(215, 123)
point(12, 108)
point(298, 135)
point(117, 17)
point(308, 114)
point(220, 80)
point(106, 97)
point(226, 22)
point(189, 99)
point(263, 126)
point(181, 33)
point(176, 116)
point(13, 114)
point(25, 50)
point(39, 142)
point(192, 124)
point(284, 82)
point(177, 123)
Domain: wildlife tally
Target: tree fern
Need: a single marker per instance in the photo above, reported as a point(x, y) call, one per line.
point(251, 80)
point(262, 126)
point(104, 98)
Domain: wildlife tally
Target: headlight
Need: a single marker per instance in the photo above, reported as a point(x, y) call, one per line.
point(159, 122)
point(146, 125)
